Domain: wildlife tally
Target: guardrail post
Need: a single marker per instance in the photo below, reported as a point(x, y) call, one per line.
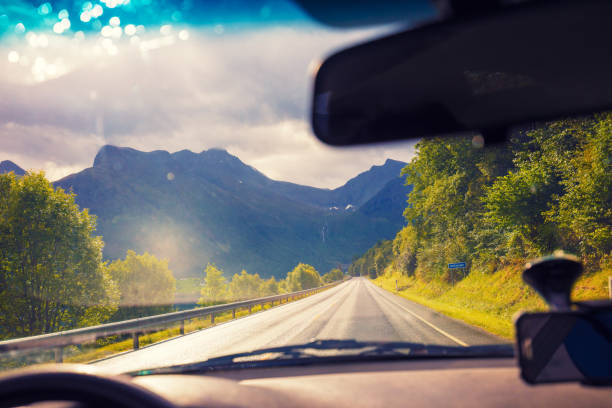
point(233, 313)
point(59, 355)
point(182, 328)
point(212, 318)
point(135, 341)
point(249, 309)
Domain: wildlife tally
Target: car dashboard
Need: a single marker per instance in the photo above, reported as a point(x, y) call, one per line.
point(418, 383)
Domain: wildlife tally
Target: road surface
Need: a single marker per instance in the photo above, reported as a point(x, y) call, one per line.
point(356, 309)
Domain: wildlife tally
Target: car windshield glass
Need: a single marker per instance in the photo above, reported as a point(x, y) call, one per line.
point(163, 200)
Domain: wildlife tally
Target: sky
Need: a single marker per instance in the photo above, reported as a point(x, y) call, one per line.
point(174, 87)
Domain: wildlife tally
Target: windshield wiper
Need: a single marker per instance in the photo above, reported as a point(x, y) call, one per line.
point(333, 351)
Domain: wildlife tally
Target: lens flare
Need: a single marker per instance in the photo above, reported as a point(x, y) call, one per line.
point(183, 35)
point(13, 56)
point(130, 29)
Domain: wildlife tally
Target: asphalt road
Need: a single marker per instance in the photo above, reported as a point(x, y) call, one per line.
point(356, 309)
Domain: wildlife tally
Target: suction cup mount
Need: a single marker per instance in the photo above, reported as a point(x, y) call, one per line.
point(553, 278)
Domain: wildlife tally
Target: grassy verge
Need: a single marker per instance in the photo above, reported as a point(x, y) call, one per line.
point(488, 301)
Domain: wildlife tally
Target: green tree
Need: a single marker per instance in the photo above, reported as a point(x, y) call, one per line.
point(549, 188)
point(146, 285)
point(269, 287)
point(519, 202)
point(558, 195)
point(333, 276)
point(584, 212)
point(245, 286)
point(215, 289)
point(374, 261)
point(303, 276)
point(445, 210)
point(51, 275)
point(405, 246)
point(283, 286)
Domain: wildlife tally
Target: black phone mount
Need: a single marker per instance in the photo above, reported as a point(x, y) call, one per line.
point(553, 278)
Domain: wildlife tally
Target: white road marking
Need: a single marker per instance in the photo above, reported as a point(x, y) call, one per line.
point(433, 326)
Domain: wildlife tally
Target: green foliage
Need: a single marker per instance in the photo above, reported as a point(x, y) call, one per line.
point(145, 283)
point(333, 276)
point(549, 188)
point(250, 286)
point(215, 287)
point(303, 276)
point(444, 209)
point(405, 246)
point(559, 194)
point(51, 277)
point(584, 212)
point(374, 261)
point(269, 287)
point(245, 286)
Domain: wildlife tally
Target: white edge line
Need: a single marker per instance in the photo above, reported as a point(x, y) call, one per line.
point(433, 326)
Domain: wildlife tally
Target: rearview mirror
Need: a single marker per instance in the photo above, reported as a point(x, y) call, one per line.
point(529, 62)
point(566, 346)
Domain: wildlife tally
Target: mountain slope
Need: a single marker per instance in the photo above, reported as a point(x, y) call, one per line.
point(389, 202)
point(7, 166)
point(355, 192)
point(211, 207)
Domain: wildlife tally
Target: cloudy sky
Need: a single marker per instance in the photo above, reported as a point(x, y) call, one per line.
point(173, 88)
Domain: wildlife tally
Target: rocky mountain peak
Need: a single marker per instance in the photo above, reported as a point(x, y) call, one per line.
point(7, 166)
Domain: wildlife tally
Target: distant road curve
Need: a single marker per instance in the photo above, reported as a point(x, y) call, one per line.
point(356, 309)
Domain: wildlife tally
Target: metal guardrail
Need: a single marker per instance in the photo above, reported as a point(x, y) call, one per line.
point(142, 325)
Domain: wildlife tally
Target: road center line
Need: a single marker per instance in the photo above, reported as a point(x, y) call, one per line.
point(433, 326)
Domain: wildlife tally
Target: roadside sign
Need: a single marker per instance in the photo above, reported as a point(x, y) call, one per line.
point(456, 265)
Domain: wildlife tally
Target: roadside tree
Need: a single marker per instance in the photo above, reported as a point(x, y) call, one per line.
point(215, 287)
point(146, 285)
point(51, 274)
point(303, 276)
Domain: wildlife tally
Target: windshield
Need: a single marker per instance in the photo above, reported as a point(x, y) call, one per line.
point(158, 165)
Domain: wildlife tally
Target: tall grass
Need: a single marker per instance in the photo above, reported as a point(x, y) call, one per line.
point(488, 301)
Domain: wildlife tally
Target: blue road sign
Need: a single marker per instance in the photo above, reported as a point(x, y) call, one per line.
point(456, 265)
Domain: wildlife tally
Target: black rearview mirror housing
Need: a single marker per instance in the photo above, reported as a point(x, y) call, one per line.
point(484, 73)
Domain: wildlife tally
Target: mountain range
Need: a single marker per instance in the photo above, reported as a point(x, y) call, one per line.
point(196, 208)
